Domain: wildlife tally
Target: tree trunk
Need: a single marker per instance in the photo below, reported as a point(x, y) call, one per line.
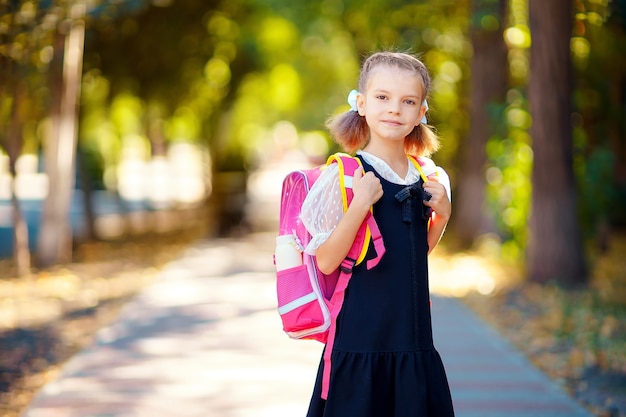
point(555, 251)
point(55, 238)
point(488, 91)
point(86, 186)
point(21, 249)
point(46, 240)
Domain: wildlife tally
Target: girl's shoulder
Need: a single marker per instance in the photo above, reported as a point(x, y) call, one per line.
point(426, 164)
point(327, 179)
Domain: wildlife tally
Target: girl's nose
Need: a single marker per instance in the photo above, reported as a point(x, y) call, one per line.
point(394, 106)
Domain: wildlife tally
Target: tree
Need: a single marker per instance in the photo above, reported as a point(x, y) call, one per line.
point(555, 251)
point(21, 252)
point(25, 44)
point(55, 237)
point(15, 106)
point(488, 90)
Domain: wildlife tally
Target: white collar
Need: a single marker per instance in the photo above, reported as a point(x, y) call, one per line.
point(389, 174)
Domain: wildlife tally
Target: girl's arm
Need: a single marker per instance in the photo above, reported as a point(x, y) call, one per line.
point(367, 190)
point(442, 208)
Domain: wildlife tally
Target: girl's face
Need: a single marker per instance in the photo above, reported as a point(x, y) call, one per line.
point(392, 103)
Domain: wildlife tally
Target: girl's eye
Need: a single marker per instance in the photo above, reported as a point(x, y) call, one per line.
point(381, 97)
point(411, 102)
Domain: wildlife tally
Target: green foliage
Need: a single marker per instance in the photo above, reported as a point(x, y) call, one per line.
point(231, 74)
point(599, 57)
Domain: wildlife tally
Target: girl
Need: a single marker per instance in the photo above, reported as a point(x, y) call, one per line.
point(384, 363)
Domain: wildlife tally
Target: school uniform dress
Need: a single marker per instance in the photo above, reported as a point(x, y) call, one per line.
point(384, 363)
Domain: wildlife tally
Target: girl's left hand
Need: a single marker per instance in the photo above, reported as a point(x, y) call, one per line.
point(439, 202)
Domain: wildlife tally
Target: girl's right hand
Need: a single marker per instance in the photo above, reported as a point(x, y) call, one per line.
point(366, 187)
point(367, 190)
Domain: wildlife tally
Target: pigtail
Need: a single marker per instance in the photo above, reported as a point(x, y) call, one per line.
point(350, 130)
point(422, 141)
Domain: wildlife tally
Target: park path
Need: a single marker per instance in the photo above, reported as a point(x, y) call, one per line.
point(204, 340)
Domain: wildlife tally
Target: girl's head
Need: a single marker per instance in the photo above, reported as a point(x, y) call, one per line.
point(351, 130)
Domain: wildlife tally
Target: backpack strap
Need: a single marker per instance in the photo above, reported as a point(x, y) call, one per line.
point(418, 162)
point(335, 304)
point(368, 230)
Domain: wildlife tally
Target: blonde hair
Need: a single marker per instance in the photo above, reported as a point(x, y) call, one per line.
point(350, 129)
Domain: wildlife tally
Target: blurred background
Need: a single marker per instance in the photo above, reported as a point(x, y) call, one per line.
point(123, 118)
point(116, 107)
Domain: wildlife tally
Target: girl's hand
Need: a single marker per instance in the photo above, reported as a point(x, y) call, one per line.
point(439, 202)
point(367, 190)
point(366, 187)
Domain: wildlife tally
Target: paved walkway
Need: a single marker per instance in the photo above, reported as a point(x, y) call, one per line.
point(204, 340)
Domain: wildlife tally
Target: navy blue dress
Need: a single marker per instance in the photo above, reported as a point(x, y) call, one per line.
point(384, 363)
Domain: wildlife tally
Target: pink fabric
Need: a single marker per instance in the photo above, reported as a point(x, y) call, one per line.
point(309, 307)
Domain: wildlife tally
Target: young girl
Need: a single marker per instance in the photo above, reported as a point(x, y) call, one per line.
point(384, 363)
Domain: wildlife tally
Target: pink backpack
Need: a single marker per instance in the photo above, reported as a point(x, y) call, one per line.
point(308, 300)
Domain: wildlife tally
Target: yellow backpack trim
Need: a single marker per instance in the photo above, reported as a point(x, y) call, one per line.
point(344, 196)
point(419, 167)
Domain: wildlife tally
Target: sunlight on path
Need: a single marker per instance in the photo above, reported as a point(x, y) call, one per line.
point(458, 275)
point(203, 340)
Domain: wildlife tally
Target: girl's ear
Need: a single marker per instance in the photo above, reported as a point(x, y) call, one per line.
point(360, 104)
point(422, 113)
